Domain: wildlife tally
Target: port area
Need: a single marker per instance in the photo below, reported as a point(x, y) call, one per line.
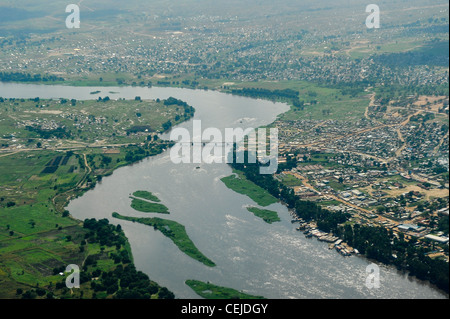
point(310, 230)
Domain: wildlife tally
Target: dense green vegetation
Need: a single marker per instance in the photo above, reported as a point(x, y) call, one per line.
point(140, 202)
point(266, 93)
point(242, 185)
point(26, 77)
point(100, 249)
point(435, 54)
point(210, 291)
point(146, 195)
point(175, 231)
point(380, 244)
point(269, 216)
point(402, 93)
point(123, 281)
point(147, 207)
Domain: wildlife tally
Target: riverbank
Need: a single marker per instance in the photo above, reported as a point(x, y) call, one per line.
point(309, 229)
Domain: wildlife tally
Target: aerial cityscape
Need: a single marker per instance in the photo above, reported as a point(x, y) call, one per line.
point(93, 204)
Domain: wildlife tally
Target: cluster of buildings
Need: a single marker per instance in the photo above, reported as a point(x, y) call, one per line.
point(386, 169)
point(214, 47)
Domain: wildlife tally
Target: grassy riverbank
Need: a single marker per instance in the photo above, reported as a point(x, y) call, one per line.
point(176, 232)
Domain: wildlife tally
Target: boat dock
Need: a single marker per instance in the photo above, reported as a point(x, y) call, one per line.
point(310, 230)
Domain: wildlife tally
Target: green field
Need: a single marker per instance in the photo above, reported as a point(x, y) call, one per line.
point(241, 185)
point(210, 291)
point(405, 44)
point(291, 181)
point(176, 232)
point(269, 216)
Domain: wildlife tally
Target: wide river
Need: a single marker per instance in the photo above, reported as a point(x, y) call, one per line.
point(271, 260)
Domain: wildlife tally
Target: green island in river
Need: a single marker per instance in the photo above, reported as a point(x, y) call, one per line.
point(146, 195)
point(175, 231)
point(147, 207)
point(140, 202)
point(269, 216)
point(210, 291)
point(240, 184)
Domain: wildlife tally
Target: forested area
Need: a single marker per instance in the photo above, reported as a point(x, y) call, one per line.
point(265, 93)
point(124, 282)
point(26, 77)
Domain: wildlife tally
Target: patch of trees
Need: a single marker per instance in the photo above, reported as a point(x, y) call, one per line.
point(163, 83)
point(298, 104)
point(26, 77)
point(351, 89)
point(382, 245)
point(394, 91)
point(136, 153)
point(291, 162)
point(73, 102)
point(188, 110)
point(105, 99)
point(174, 101)
point(104, 233)
point(140, 128)
point(286, 94)
point(422, 118)
point(266, 93)
point(167, 125)
point(10, 204)
point(190, 83)
point(124, 282)
point(59, 132)
point(435, 55)
point(443, 224)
